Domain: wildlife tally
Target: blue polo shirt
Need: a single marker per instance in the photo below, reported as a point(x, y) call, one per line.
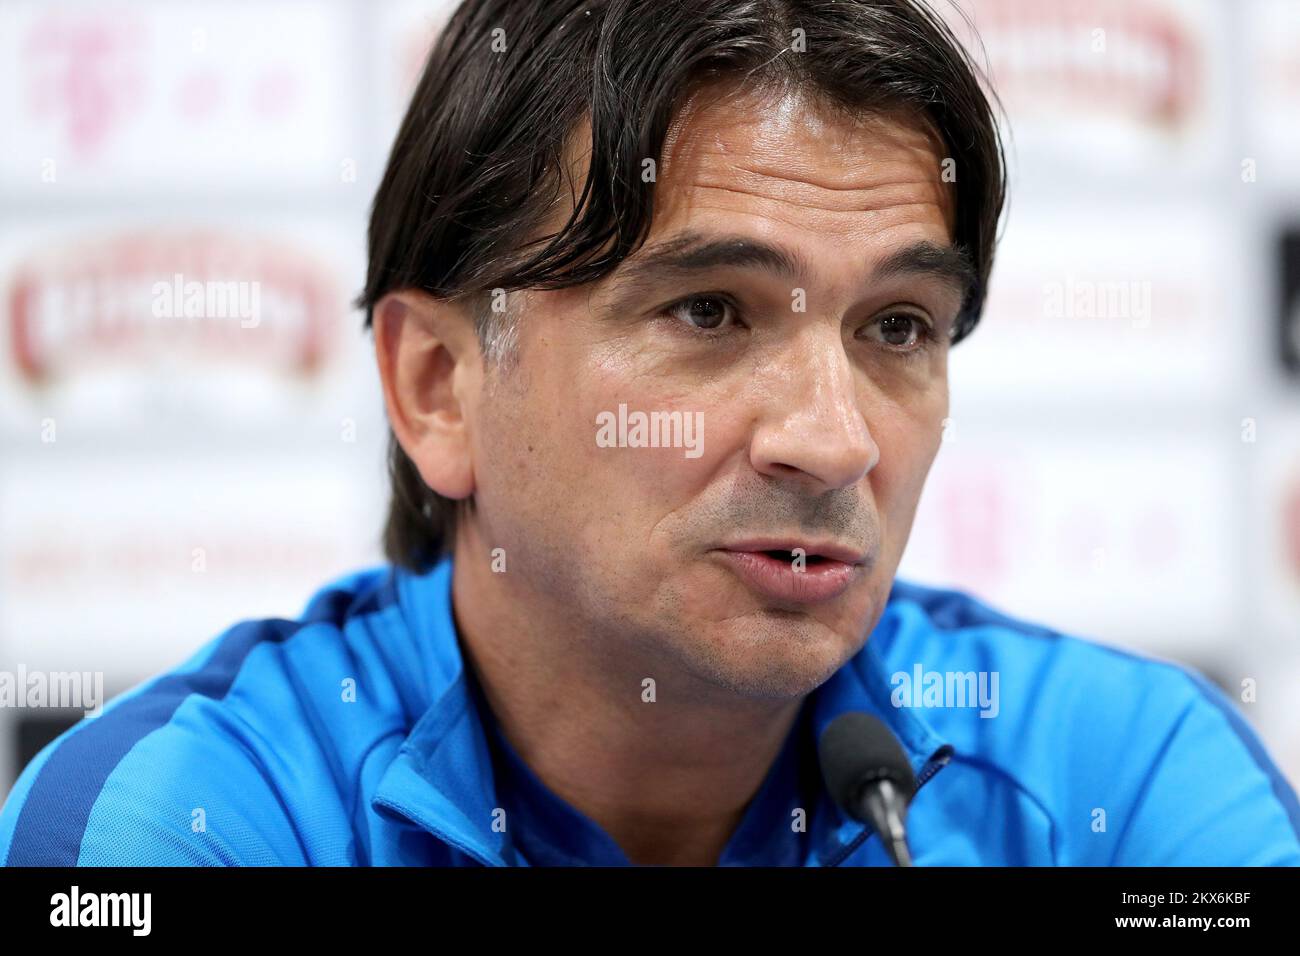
point(350, 736)
point(545, 830)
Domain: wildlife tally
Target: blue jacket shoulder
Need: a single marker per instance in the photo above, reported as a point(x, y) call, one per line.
point(1129, 758)
point(247, 753)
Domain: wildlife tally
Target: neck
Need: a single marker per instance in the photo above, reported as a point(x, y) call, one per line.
point(668, 780)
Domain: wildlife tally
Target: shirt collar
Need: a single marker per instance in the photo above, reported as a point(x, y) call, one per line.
point(442, 779)
point(862, 684)
point(546, 830)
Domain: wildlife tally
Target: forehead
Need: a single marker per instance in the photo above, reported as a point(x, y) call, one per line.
point(784, 163)
point(842, 192)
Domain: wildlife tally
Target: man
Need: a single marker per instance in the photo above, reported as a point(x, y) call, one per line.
point(662, 298)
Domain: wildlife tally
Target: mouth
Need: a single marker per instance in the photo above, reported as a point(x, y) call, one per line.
point(792, 571)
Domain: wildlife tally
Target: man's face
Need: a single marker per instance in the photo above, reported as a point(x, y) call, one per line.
point(821, 394)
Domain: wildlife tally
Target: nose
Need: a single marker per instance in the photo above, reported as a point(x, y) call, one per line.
point(811, 426)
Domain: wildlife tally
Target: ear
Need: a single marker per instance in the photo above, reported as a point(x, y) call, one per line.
point(431, 369)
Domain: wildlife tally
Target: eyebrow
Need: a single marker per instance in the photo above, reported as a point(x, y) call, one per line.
point(684, 256)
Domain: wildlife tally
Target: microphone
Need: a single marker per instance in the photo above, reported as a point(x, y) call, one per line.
point(869, 778)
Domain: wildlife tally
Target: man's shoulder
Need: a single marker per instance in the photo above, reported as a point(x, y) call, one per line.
point(223, 758)
point(1079, 726)
point(950, 629)
point(1040, 675)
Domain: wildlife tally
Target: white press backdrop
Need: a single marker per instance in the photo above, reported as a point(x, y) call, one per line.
point(1123, 456)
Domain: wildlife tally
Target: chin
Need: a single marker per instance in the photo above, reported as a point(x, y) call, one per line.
point(771, 655)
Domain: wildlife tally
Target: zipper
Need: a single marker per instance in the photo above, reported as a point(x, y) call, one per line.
point(932, 766)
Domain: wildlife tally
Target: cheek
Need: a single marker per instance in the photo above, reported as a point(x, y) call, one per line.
point(558, 452)
point(542, 453)
point(908, 440)
point(650, 444)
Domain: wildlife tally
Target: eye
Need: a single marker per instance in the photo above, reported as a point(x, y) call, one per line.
point(705, 312)
point(901, 331)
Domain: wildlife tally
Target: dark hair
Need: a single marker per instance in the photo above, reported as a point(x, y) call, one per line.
point(477, 161)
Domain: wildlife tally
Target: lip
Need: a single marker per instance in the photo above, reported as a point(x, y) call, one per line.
point(832, 550)
point(774, 578)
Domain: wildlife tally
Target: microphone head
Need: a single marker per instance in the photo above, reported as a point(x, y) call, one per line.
point(857, 749)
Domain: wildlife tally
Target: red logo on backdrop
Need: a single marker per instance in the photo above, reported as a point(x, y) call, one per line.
point(1120, 57)
point(86, 73)
point(197, 296)
point(976, 520)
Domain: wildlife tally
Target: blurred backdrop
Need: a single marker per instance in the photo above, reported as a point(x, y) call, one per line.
point(1122, 459)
